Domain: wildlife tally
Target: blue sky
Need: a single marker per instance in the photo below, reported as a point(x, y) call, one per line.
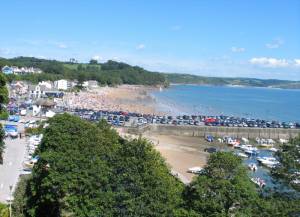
point(257, 38)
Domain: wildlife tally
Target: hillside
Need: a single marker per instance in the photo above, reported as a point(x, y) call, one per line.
point(109, 73)
point(114, 73)
point(252, 82)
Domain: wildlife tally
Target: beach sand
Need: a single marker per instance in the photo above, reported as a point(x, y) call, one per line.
point(127, 98)
point(180, 152)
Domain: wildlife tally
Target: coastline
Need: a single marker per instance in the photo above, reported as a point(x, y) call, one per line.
point(237, 85)
point(126, 98)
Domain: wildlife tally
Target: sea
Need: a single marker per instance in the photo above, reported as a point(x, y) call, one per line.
point(249, 102)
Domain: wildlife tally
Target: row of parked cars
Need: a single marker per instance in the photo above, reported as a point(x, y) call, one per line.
point(119, 118)
point(225, 121)
point(114, 118)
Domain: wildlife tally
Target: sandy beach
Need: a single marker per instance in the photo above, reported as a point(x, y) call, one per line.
point(127, 98)
point(180, 152)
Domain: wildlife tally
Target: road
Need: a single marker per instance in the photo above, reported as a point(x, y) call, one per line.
point(14, 156)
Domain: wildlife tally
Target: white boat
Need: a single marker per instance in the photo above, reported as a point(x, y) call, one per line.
point(273, 149)
point(28, 164)
point(195, 170)
point(251, 152)
point(258, 181)
point(26, 172)
point(23, 112)
point(248, 148)
point(241, 154)
point(13, 134)
point(252, 167)
point(270, 162)
point(296, 181)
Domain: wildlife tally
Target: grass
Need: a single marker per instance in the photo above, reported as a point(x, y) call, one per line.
point(75, 65)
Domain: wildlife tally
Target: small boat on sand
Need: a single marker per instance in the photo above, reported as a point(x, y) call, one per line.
point(195, 170)
point(258, 181)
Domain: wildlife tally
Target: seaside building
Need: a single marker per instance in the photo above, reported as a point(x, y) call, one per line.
point(47, 84)
point(61, 84)
point(19, 88)
point(91, 84)
point(42, 106)
point(20, 71)
point(7, 70)
point(41, 91)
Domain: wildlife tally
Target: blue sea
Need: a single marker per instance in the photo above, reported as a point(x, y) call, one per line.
point(249, 102)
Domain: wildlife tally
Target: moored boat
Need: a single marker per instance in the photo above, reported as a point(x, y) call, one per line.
point(252, 167)
point(270, 162)
point(240, 154)
point(258, 181)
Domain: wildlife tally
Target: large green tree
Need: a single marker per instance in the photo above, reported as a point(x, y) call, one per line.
point(88, 170)
point(223, 189)
point(289, 168)
point(3, 112)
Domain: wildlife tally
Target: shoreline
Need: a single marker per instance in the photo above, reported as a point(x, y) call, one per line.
point(126, 98)
point(145, 100)
point(233, 85)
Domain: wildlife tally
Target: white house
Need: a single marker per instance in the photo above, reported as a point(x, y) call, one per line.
point(7, 70)
point(61, 84)
point(91, 84)
point(36, 91)
point(22, 70)
point(47, 84)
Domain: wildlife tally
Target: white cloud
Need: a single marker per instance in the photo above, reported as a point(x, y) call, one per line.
point(238, 49)
point(140, 47)
point(269, 62)
point(115, 58)
point(62, 46)
point(176, 28)
point(297, 62)
point(276, 43)
point(97, 57)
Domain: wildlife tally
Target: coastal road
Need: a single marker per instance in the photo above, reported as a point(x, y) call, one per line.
point(10, 170)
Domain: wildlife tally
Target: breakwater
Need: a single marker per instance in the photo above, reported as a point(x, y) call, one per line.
point(202, 131)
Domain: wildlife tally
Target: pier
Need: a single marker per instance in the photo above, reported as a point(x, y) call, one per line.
point(201, 131)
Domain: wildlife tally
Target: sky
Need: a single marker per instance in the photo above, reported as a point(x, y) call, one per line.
point(228, 38)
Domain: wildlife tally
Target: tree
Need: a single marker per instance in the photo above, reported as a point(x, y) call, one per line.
point(289, 167)
point(4, 210)
point(19, 202)
point(93, 61)
point(81, 79)
point(223, 189)
point(88, 170)
point(3, 101)
point(2, 144)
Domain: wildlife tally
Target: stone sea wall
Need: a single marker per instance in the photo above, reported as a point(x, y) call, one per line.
point(201, 131)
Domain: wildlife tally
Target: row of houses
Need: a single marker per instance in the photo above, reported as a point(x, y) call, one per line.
point(20, 71)
point(46, 89)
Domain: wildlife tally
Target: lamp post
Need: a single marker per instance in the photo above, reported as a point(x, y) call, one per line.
point(10, 199)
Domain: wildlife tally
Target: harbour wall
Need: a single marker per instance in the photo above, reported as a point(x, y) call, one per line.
point(202, 131)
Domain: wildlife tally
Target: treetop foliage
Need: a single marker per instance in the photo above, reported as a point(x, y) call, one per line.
point(88, 170)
